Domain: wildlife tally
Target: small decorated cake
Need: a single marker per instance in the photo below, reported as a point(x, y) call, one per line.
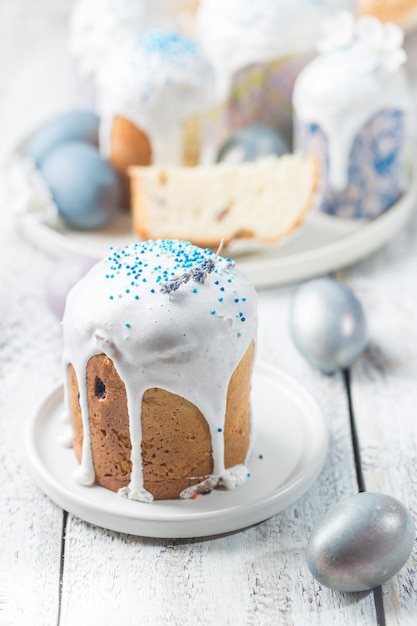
point(353, 106)
point(151, 91)
point(257, 48)
point(158, 351)
point(264, 200)
point(98, 25)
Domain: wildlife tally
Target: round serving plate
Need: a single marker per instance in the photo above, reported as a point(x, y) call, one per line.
point(322, 244)
point(290, 444)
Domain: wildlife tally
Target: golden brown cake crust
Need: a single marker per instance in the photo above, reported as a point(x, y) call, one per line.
point(176, 443)
point(128, 145)
point(389, 10)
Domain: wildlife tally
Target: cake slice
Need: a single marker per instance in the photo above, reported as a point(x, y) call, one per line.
point(266, 200)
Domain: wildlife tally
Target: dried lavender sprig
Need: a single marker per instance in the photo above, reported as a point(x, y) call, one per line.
point(198, 274)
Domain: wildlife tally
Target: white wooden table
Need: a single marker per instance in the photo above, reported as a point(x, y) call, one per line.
point(56, 569)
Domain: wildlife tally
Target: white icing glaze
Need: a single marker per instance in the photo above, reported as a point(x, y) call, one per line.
point(236, 33)
point(157, 80)
point(188, 342)
point(334, 92)
point(96, 25)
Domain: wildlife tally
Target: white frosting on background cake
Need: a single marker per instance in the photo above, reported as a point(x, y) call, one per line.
point(236, 33)
point(187, 341)
point(96, 25)
point(157, 80)
point(344, 88)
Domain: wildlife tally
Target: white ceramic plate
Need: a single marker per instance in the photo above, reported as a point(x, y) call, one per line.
point(291, 440)
point(322, 244)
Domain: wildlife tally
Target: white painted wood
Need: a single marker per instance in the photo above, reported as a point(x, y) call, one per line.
point(384, 387)
point(30, 524)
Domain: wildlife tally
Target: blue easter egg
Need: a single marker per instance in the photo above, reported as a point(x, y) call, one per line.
point(72, 126)
point(252, 143)
point(84, 187)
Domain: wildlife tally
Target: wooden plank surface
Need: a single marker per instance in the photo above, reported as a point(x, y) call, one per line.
point(384, 390)
point(30, 524)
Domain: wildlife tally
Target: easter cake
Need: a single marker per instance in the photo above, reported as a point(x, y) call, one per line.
point(99, 25)
point(158, 350)
point(257, 49)
point(353, 112)
point(151, 90)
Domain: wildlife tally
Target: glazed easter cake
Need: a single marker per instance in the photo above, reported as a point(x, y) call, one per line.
point(158, 351)
point(150, 89)
point(354, 113)
point(257, 49)
point(98, 25)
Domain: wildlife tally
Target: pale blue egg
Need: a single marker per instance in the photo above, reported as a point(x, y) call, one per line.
point(361, 542)
point(71, 126)
point(84, 187)
point(252, 143)
point(66, 272)
point(328, 324)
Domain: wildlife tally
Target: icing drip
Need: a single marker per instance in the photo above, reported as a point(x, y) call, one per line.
point(238, 33)
point(333, 93)
point(187, 341)
point(157, 80)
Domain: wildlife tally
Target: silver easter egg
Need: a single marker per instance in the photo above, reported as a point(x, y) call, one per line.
point(361, 542)
point(328, 324)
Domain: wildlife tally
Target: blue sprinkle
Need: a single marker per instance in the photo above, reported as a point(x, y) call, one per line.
point(136, 297)
point(213, 312)
point(243, 319)
point(127, 290)
point(236, 299)
point(243, 299)
point(195, 290)
point(152, 290)
point(248, 474)
point(127, 325)
point(220, 430)
point(220, 299)
point(221, 288)
point(111, 297)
